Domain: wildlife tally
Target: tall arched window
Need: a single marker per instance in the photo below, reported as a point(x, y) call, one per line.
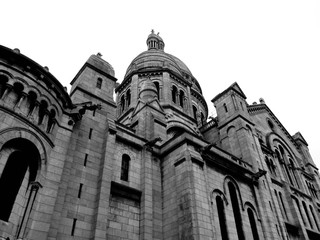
point(158, 89)
point(181, 98)
point(122, 104)
point(307, 213)
point(253, 224)
point(299, 209)
point(285, 166)
point(125, 167)
point(283, 206)
point(32, 98)
point(314, 217)
point(3, 84)
point(203, 121)
point(128, 97)
point(292, 167)
point(174, 94)
point(51, 120)
point(17, 88)
point(24, 156)
point(194, 109)
point(42, 110)
point(222, 218)
point(236, 211)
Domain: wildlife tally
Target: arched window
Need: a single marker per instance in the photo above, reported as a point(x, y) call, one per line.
point(51, 120)
point(194, 112)
point(225, 107)
point(125, 167)
point(299, 209)
point(181, 98)
point(285, 166)
point(128, 97)
point(314, 217)
point(17, 88)
point(122, 104)
point(3, 84)
point(292, 167)
point(203, 121)
point(273, 167)
point(283, 206)
point(158, 89)
point(270, 124)
point(307, 213)
point(24, 156)
point(42, 110)
point(222, 218)
point(253, 224)
point(174, 94)
point(99, 83)
point(32, 98)
point(236, 210)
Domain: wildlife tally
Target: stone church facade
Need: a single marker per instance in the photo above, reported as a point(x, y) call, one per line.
point(150, 164)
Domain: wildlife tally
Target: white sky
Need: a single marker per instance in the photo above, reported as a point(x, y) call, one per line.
point(271, 48)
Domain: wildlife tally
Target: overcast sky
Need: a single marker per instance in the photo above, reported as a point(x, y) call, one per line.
point(270, 48)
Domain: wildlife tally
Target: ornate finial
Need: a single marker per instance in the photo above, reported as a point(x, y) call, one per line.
point(152, 31)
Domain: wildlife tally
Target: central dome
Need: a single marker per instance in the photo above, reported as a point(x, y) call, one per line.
point(156, 59)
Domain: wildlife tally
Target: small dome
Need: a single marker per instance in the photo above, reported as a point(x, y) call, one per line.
point(98, 62)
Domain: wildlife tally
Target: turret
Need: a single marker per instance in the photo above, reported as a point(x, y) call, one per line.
point(95, 82)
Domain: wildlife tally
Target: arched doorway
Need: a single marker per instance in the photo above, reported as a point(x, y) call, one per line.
point(21, 160)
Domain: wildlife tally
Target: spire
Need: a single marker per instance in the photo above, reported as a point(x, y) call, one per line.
point(155, 42)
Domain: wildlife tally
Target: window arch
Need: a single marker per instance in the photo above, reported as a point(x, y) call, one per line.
point(18, 89)
point(122, 103)
point(225, 107)
point(125, 167)
point(194, 108)
point(203, 121)
point(3, 84)
point(42, 111)
point(99, 83)
point(292, 167)
point(181, 98)
point(51, 120)
point(307, 213)
point(253, 224)
point(270, 124)
point(31, 99)
point(314, 217)
point(174, 93)
point(158, 89)
point(23, 156)
point(222, 218)
point(236, 210)
point(128, 97)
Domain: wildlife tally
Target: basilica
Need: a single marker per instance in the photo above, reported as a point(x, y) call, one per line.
point(149, 164)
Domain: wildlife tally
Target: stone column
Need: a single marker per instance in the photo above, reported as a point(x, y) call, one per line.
point(34, 188)
point(104, 188)
point(146, 208)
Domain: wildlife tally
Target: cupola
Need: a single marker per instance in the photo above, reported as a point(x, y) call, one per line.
point(155, 42)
